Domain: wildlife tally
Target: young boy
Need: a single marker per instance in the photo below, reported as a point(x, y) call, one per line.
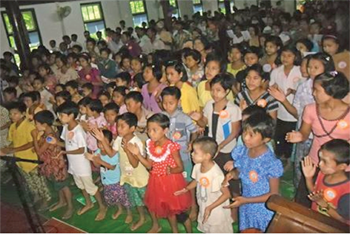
point(72, 87)
point(88, 90)
point(123, 79)
point(21, 146)
point(134, 176)
point(46, 97)
point(62, 97)
point(331, 192)
point(10, 95)
point(211, 195)
point(75, 146)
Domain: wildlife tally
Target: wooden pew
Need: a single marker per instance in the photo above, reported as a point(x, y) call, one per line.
point(293, 217)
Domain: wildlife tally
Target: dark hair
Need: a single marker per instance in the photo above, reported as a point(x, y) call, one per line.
point(195, 55)
point(274, 40)
point(68, 108)
point(84, 101)
point(179, 68)
point(111, 85)
point(111, 106)
point(340, 148)
point(108, 134)
point(134, 95)
point(254, 110)
point(44, 117)
point(293, 49)
point(129, 118)
point(224, 79)
point(41, 79)
point(330, 37)
point(156, 71)
point(104, 93)
point(239, 47)
point(34, 95)
point(63, 58)
point(215, 57)
point(61, 85)
point(207, 144)
point(20, 106)
point(255, 27)
point(85, 56)
point(88, 86)
point(11, 90)
point(73, 84)
point(95, 105)
point(262, 124)
point(306, 42)
point(259, 69)
point(107, 50)
point(139, 80)
point(326, 60)
point(252, 50)
point(171, 91)
point(334, 83)
point(124, 76)
point(204, 41)
point(64, 94)
point(91, 40)
point(161, 119)
point(46, 67)
point(121, 89)
point(14, 80)
point(78, 47)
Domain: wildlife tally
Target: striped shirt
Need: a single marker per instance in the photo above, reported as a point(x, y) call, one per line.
point(271, 104)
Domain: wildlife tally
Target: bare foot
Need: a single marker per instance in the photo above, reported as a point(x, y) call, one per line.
point(117, 214)
point(128, 219)
point(68, 214)
point(101, 214)
point(84, 209)
point(137, 225)
point(57, 206)
point(155, 229)
point(193, 214)
point(43, 206)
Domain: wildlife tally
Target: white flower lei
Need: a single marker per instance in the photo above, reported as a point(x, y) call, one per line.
point(157, 159)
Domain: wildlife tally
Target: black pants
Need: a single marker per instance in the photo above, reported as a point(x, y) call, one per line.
point(302, 191)
point(282, 146)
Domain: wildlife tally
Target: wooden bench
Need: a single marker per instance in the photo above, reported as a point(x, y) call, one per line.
point(293, 217)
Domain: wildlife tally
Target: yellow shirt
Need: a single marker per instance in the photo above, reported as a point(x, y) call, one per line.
point(234, 71)
point(189, 99)
point(204, 95)
point(20, 136)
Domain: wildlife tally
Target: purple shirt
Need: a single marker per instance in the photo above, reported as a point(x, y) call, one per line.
point(91, 77)
point(149, 99)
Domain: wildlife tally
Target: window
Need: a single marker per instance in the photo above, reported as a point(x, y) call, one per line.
point(175, 8)
point(138, 11)
point(31, 23)
point(93, 18)
point(221, 5)
point(197, 6)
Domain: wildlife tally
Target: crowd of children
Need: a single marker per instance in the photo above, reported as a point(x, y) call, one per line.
point(179, 123)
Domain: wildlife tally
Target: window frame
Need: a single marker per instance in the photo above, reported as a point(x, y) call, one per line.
point(200, 4)
point(139, 13)
point(37, 29)
point(92, 21)
point(177, 8)
point(223, 2)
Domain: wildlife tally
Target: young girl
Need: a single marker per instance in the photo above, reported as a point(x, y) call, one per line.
point(177, 76)
point(304, 46)
point(119, 94)
point(152, 89)
point(194, 68)
point(328, 118)
point(235, 56)
point(104, 97)
point(223, 118)
point(54, 166)
point(259, 171)
point(114, 193)
point(125, 65)
point(136, 66)
point(164, 161)
point(50, 80)
point(287, 77)
point(256, 94)
point(110, 112)
point(89, 74)
point(273, 44)
point(83, 103)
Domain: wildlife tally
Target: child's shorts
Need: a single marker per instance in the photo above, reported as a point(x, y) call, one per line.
point(135, 195)
point(86, 183)
point(115, 194)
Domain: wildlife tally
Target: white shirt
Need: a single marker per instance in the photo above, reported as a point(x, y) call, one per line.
point(75, 139)
point(45, 99)
point(284, 83)
point(146, 45)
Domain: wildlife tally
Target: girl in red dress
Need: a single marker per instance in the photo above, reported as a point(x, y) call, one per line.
point(165, 165)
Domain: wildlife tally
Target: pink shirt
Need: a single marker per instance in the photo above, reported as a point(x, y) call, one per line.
point(91, 77)
point(122, 109)
point(149, 99)
point(90, 140)
point(341, 129)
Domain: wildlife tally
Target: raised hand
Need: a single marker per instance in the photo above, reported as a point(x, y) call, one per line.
point(294, 137)
point(133, 148)
point(97, 133)
point(308, 167)
point(277, 93)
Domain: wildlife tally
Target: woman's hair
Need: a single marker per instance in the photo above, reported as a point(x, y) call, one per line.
point(85, 56)
point(340, 148)
point(325, 59)
point(44, 117)
point(274, 40)
point(108, 134)
point(306, 42)
point(224, 79)
point(259, 69)
point(215, 57)
point(334, 83)
point(239, 47)
point(139, 80)
point(256, 29)
point(156, 71)
point(259, 123)
point(204, 41)
point(293, 49)
point(33, 95)
point(84, 101)
point(161, 119)
point(125, 56)
point(330, 37)
point(194, 54)
point(179, 68)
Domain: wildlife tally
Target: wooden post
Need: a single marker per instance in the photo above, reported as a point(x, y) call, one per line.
point(167, 18)
point(19, 31)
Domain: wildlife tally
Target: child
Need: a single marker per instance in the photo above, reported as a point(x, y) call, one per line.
point(106, 65)
point(286, 77)
point(83, 103)
point(223, 119)
point(88, 74)
point(139, 81)
point(32, 99)
point(211, 195)
point(273, 45)
point(21, 146)
point(152, 89)
point(304, 46)
point(54, 167)
point(10, 95)
point(259, 171)
point(235, 56)
point(125, 65)
point(46, 97)
point(104, 97)
point(195, 71)
point(114, 193)
point(66, 68)
point(177, 76)
point(134, 176)
point(62, 97)
point(59, 88)
point(72, 87)
point(255, 94)
point(119, 94)
point(110, 112)
point(123, 79)
point(324, 122)
point(75, 147)
point(166, 177)
point(331, 191)
point(137, 65)
point(50, 80)
point(88, 90)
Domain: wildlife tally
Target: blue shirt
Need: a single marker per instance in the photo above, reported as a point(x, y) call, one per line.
point(109, 176)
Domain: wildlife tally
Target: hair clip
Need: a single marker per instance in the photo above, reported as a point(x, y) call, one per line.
point(327, 58)
point(141, 56)
point(153, 66)
point(333, 73)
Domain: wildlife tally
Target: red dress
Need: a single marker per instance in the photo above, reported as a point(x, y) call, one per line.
point(159, 196)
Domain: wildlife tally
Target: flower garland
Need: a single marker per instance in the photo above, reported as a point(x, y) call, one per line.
point(154, 155)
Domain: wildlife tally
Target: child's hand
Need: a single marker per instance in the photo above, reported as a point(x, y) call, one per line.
point(89, 156)
point(168, 170)
point(237, 202)
point(243, 104)
point(290, 91)
point(277, 93)
point(308, 168)
point(207, 213)
point(97, 133)
point(4, 151)
point(318, 197)
point(180, 192)
point(84, 124)
point(189, 148)
point(196, 116)
point(133, 148)
point(294, 137)
point(228, 166)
